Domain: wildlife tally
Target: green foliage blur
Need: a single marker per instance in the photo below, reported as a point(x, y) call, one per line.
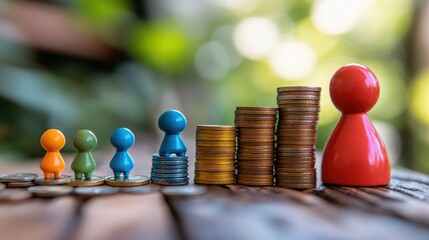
point(204, 58)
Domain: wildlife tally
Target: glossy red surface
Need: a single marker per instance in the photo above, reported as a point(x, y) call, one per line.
point(355, 154)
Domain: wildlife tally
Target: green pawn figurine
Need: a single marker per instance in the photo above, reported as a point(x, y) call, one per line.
point(83, 164)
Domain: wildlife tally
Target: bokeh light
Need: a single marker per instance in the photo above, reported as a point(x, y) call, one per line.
point(255, 37)
point(293, 60)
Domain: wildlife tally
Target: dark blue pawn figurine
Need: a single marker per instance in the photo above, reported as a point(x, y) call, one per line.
point(172, 122)
point(122, 162)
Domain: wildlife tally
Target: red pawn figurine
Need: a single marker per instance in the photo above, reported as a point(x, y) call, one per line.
point(355, 154)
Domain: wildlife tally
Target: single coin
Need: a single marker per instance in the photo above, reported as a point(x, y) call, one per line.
point(280, 154)
point(140, 189)
point(256, 110)
point(19, 184)
point(255, 118)
point(298, 117)
point(63, 180)
point(94, 181)
point(178, 166)
point(184, 191)
point(255, 183)
point(19, 177)
point(215, 150)
point(171, 158)
point(296, 186)
point(170, 182)
point(170, 171)
point(14, 195)
point(217, 182)
point(214, 160)
point(300, 97)
point(169, 175)
point(299, 88)
point(169, 162)
point(215, 144)
point(291, 102)
point(297, 113)
point(215, 127)
point(255, 163)
point(134, 180)
point(283, 166)
point(298, 122)
point(296, 178)
point(95, 191)
point(217, 139)
point(215, 169)
point(295, 149)
point(255, 140)
point(50, 191)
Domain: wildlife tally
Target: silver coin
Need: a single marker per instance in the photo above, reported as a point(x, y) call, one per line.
point(171, 158)
point(170, 162)
point(170, 181)
point(50, 191)
point(19, 184)
point(169, 175)
point(140, 189)
point(63, 180)
point(14, 195)
point(19, 177)
point(95, 191)
point(184, 191)
point(178, 166)
point(171, 170)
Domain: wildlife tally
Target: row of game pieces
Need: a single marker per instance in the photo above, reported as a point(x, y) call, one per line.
point(170, 165)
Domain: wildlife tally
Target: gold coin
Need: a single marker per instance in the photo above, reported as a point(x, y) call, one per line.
point(297, 186)
point(215, 144)
point(207, 169)
point(94, 181)
point(298, 97)
point(256, 110)
point(224, 150)
point(299, 89)
point(263, 163)
point(215, 160)
point(255, 183)
point(131, 181)
point(214, 182)
point(215, 127)
point(256, 147)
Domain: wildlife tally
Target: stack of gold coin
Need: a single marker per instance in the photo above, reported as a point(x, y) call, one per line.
point(299, 109)
point(255, 151)
point(215, 154)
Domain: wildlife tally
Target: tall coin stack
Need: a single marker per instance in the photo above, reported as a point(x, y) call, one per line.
point(170, 171)
point(299, 109)
point(255, 151)
point(215, 155)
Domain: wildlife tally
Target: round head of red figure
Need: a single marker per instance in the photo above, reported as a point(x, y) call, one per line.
point(52, 140)
point(354, 89)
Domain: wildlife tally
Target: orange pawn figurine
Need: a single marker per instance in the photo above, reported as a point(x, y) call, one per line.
point(52, 140)
point(355, 154)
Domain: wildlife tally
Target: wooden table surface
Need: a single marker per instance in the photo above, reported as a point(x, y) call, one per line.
point(398, 211)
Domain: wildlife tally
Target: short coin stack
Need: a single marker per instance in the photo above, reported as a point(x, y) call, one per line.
point(215, 154)
point(255, 151)
point(16, 180)
point(170, 171)
point(296, 136)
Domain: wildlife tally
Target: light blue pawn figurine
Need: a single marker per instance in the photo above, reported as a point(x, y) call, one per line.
point(122, 162)
point(172, 122)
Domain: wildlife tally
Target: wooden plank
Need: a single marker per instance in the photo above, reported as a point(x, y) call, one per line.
point(239, 212)
point(37, 219)
point(126, 216)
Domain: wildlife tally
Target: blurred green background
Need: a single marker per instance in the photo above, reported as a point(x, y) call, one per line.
point(72, 64)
